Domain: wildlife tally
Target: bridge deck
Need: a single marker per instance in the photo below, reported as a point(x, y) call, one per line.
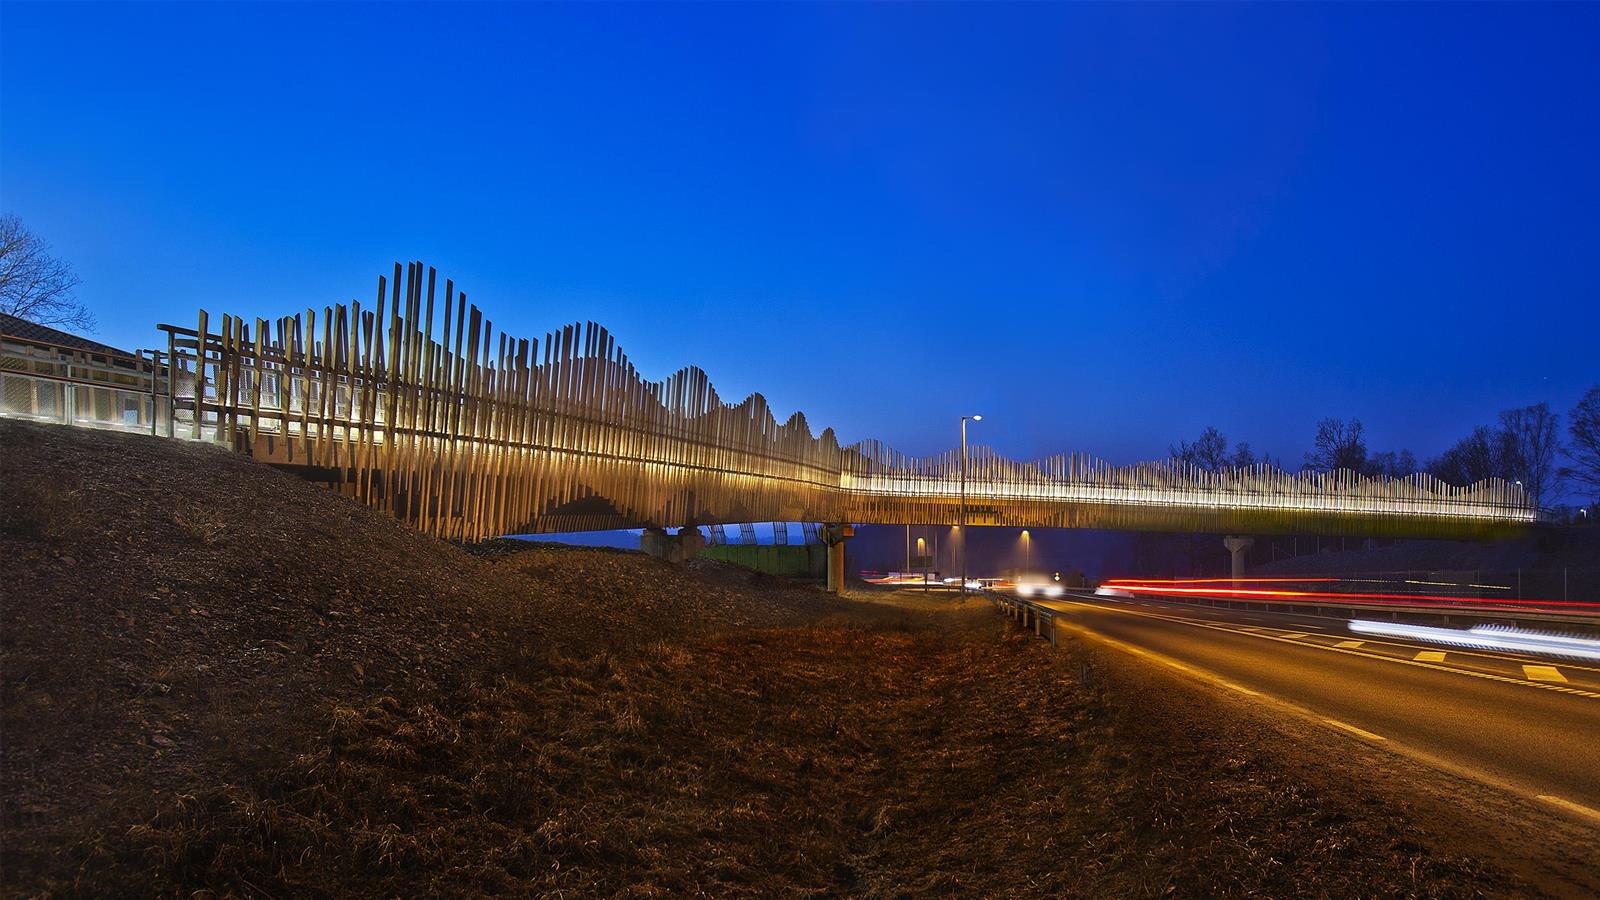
point(474, 434)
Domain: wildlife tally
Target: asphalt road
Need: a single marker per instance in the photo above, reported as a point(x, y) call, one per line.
point(1527, 724)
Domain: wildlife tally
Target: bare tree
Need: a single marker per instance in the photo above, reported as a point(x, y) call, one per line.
point(1393, 464)
point(1339, 445)
point(1584, 451)
point(1531, 436)
point(1243, 457)
point(1484, 453)
point(1522, 448)
point(35, 285)
point(1209, 452)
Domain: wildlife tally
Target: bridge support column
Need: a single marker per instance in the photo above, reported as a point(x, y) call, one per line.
point(690, 541)
point(834, 537)
point(1238, 545)
point(674, 548)
point(656, 542)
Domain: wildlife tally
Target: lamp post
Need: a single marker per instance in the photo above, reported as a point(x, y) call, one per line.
point(922, 555)
point(964, 499)
point(1027, 553)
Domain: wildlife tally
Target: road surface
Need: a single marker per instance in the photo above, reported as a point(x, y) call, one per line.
point(1527, 724)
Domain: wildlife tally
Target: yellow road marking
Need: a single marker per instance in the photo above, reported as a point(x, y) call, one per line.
point(1404, 750)
point(1568, 805)
point(1459, 652)
point(1354, 730)
point(1207, 675)
point(1430, 656)
point(1296, 635)
point(1544, 673)
point(1506, 679)
point(1349, 645)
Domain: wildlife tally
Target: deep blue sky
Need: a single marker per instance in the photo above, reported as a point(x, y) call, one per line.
point(1102, 226)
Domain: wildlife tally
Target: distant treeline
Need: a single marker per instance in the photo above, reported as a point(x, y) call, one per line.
point(1523, 445)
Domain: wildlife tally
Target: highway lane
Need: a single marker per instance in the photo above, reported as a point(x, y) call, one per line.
point(1524, 723)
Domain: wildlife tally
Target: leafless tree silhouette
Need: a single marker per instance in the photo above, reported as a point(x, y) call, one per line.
point(1339, 445)
point(1584, 451)
point(35, 285)
point(1533, 436)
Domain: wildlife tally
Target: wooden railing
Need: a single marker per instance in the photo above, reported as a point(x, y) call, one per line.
point(418, 406)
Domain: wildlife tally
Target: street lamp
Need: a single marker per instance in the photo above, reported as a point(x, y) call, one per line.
point(964, 499)
point(1027, 552)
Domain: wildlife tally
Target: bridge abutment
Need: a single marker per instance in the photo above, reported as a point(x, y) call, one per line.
point(1239, 546)
point(834, 537)
point(674, 548)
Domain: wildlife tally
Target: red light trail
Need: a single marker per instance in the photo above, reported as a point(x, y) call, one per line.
point(1175, 586)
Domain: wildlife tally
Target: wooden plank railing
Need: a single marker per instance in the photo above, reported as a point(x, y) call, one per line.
point(419, 407)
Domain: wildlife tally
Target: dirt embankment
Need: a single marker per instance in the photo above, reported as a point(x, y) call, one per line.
point(218, 678)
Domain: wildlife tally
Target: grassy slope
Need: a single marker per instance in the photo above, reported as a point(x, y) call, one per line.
point(217, 677)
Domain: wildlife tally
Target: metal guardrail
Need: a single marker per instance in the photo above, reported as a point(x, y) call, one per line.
point(1026, 613)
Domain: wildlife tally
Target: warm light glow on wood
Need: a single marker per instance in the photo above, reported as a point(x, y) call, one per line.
point(471, 434)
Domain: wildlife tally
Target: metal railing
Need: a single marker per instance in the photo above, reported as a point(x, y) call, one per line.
point(48, 383)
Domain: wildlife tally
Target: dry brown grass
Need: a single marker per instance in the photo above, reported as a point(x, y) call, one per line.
point(580, 723)
point(878, 752)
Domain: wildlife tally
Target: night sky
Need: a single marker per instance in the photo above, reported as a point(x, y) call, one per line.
point(1101, 226)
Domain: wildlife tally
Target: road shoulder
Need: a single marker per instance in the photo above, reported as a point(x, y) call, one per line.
point(1455, 815)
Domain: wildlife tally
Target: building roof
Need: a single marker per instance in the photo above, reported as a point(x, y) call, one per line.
point(22, 329)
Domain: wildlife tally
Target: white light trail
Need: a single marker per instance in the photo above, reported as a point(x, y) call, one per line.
point(1487, 637)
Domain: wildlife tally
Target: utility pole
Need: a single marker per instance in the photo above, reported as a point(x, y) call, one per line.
point(963, 547)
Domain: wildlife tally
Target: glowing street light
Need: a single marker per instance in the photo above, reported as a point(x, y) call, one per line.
point(1027, 551)
point(964, 498)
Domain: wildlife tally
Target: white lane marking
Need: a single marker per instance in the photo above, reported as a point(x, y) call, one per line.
point(1506, 679)
point(1090, 600)
point(1544, 673)
point(1568, 805)
point(1214, 678)
point(1405, 750)
point(1346, 726)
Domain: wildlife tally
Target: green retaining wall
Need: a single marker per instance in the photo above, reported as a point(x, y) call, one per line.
point(791, 561)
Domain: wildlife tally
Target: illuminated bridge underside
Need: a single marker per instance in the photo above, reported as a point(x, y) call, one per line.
point(419, 408)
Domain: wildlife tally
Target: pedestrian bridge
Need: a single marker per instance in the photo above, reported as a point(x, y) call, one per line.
point(415, 405)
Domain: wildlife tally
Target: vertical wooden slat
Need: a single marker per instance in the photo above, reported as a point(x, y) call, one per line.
point(491, 436)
